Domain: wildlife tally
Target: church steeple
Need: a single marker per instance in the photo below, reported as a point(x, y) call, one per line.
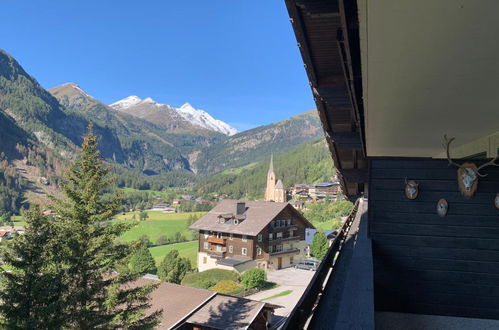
point(271, 167)
point(269, 191)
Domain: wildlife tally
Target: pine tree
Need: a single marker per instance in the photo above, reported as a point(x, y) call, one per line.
point(142, 261)
point(173, 268)
point(319, 245)
point(31, 289)
point(96, 296)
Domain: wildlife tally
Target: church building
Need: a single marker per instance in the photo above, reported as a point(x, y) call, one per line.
point(274, 192)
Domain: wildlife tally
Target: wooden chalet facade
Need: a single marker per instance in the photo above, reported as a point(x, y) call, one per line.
point(239, 235)
point(390, 79)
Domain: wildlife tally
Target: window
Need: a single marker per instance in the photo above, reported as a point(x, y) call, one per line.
point(236, 222)
point(244, 251)
point(206, 245)
point(231, 237)
point(222, 220)
point(260, 238)
point(271, 236)
point(291, 233)
point(245, 238)
point(231, 249)
point(288, 222)
point(271, 249)
point(258, 251)
point(219, 248)
point(279, 235)
point(219, 235)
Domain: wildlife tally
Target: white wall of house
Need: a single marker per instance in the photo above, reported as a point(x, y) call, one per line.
point(206, 262)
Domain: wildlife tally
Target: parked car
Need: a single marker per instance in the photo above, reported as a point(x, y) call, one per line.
point(308, 264)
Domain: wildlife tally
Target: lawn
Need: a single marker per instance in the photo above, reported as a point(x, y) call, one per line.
point(186, 249)
point(280, 294)
point(326, 225)
point(157, 224)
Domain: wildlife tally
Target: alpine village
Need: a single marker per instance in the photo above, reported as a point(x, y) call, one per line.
point(377, 207)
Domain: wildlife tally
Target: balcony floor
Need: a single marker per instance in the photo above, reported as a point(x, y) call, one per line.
point(396, 321)
point(348, 301)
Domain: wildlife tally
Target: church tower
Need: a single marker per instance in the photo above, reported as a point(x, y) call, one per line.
point(269, 192)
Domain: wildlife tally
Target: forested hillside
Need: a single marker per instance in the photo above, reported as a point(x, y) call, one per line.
point(308, 163)
point(40, 132)
point(256, 144)
point(11, 189)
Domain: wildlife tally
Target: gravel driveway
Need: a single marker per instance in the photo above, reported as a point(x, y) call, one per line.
point(288, 279)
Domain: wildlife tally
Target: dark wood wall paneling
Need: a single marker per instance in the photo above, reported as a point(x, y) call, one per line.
point(428, 264)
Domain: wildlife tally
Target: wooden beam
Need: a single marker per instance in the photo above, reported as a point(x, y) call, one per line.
point(354, 175)
point(347, 140)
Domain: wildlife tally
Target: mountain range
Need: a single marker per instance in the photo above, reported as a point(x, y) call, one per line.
point(164, 114)
point(43, 129)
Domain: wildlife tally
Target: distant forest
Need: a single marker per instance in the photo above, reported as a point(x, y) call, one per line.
point(310, 162)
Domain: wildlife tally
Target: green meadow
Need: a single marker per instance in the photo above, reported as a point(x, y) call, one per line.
point(187, 249)
point(157, 224)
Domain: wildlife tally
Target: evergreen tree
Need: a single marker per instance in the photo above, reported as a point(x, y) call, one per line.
point(173, 268)
point(142, 261)
point(30, 292)
point(319, 245)
point(95, 295)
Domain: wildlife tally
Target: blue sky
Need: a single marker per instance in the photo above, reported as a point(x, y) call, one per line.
point(236, 59)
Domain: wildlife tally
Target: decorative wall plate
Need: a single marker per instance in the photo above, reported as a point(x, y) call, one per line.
point(442, 207)
point(411, 190)
point(496, 201)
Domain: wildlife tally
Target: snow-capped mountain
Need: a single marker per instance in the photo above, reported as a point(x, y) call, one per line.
point(190, 114)
point(126, 103)
point(204, 119)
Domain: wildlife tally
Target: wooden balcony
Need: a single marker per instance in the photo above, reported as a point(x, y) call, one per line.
point(285, 251)
point(215, 240)
point(277, 240)
point(217, 254)
point(283, 228)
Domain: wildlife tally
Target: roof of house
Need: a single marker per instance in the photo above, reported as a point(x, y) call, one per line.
point(232, 261)
point(257, 216)
point(182, 303)
point(176, 301)
point(219, 313)
point(327, 184)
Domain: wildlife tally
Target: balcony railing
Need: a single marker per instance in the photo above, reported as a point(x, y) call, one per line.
point(285, 227)
point(284, 239)
point(216, 253)
point(310, 298)
point(285, 251)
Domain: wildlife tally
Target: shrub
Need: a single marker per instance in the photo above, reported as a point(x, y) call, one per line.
point(204, 284)
point(213, 275)
point(144, 240)
point(162, 240)
point(229, 287)
point(254, 277)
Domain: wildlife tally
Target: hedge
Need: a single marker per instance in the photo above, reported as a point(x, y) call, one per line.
point(208, 278)
point(229, 287)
